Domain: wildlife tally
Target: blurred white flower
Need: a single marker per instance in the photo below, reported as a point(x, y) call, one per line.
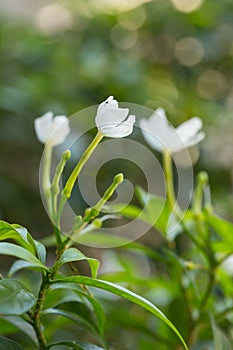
point(112, 121)
point(52, 129)
point(161, 135)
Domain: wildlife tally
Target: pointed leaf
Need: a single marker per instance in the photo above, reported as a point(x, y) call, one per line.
point(20, 265)
point(23, 326)
point(9, 344)
point(224, 230)
point(70, 315)
point(17, 233)
point(124, 293)
point(71, 292)
point(221, 342)
point(74, 254)
point(21, 236)
point(77, 345)
point(19, 252)
point(15, 297)
point(41, 251)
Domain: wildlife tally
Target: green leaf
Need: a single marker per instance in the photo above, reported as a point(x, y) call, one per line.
point(59, 296)
point(21, 236)
point(224, 229)
point(15, 297)
point(8, 344)
point(156, 210)
point(20, 265)
point(23, 326)
point(17, 233)
point(99, 312)
point(124, 293)
point(77, 345)
point(41, 251)
point(19, 252)
point(71, 292)
point(75, 317)
point(221, 342)
point(101, 239)
point(73, 254)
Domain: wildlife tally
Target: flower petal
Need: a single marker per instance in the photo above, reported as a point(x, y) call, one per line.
point(110, 102)
point(158, 132)
point(120, 130)
point(161, 135)
point(189, 128)
point(43, 126)
point(52, 130)
point(61, 129)
point(196, 139)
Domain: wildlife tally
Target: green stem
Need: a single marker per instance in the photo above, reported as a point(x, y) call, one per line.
point(207, 293)
point(36, 315)
point(66, 193)
point(91, 213)
point(202, 180)
point(46, 184)
point(94, 211)
point(55, 189)
point(168, 172)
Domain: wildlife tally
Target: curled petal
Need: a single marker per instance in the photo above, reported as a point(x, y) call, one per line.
point(111, 117)
point(196, 139)
point(112, 121)
point(123, 129)
point(188, 129)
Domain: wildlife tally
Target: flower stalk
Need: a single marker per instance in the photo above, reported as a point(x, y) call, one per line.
point(92, 213)
point(46, 182)
point(168, 172)
point(66, 193)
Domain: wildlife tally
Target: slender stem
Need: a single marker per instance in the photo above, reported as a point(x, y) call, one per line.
point(75, 173)
point(202, 181)
point(91, 213)
point(66, 193)
point(207, 292)
point(36, 315)
point(168, 172)
point(55, 189)
point(46, 184)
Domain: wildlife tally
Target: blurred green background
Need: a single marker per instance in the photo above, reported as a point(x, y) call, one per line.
point(68, 55)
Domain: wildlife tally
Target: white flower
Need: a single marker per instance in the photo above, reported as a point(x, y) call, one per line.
point(52, 130)
point(112, 121)
point(161, 135)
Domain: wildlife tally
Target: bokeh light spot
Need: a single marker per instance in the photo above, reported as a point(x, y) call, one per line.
point(132, 20)
point(122, 38)
point(53, 19)
point(212, 84)
point(189, 51)
point(187, 6)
